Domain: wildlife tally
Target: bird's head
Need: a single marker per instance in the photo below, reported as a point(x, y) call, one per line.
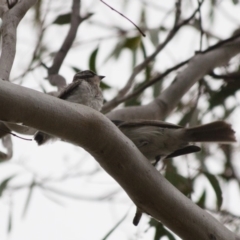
point(88, 75)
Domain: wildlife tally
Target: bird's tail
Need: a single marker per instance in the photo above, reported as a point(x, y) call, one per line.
point(218, 131)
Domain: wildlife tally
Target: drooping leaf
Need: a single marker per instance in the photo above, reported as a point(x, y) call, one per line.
point(188, 117)
point(63, 19)
point(52, 198)
point(228, 172)
point(148, 69)
point(228, 112)
point(3, 157)
point(132, 102)
point(7, 143)
point(218, 98)
point(9, 220)
point(116, 51)
point(115, 226)
point(126, 43)
point(104, 86)
point(132, 43)
point(37, 11)
point(92, 60)
point(216, 186)
point(154, 36)
point(201, 200)
point(4, 183)
point(28, 198)
point(235, 2)
point(143, 17)
point(160, 230)
point(75, 69)
point(181, 183)
point(157, 89)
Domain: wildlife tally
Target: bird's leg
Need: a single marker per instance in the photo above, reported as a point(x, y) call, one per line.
point(137, 217)
point(139, 213)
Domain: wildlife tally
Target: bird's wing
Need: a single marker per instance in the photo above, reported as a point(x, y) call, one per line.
point(183, 151)
point(69, 88)
point(140, 123)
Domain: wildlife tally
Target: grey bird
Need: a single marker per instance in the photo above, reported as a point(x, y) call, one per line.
point(161, 140)
point(84, 89)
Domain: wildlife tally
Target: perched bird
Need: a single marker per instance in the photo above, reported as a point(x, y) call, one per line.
point(160, 140)
point(84, 89)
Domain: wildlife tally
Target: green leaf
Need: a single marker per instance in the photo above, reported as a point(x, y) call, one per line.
point(227, 90)
point(4, 183)
point(160, 230)
point(116, 51)
point(9, 221)
point(228, 173)
point(92, 60)
point(189, 117)
point(216, 186)
point(132, 43)
point(129, 43)
point(143, 17)
point(75, 69)
point(181, 183)
point(148, 69)
point(63, 19)
point(28, 198)
point(132, 102)
point(115, 226)
point(157, 87)
point(154, 36)
point(235, 2)
point(228, 112)
point(201, 200)
point(104, 86)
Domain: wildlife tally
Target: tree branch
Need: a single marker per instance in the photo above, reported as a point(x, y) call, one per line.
point(147, 84)
point(200, 65)
point(11, 19)
point(96, 134)
point(53, 76)
point(114, 102)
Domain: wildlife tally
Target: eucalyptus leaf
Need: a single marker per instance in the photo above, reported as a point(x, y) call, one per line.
point(63, 19)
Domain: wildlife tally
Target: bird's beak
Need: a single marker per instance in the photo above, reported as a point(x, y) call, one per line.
point(101, 77)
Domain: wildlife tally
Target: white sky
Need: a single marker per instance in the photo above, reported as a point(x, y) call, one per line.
point(89, 219)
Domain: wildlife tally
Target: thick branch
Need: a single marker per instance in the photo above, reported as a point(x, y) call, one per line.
point(200, 65)
point(76, 20)
point(11, 20)
point(61, 54)
point(151, 82)
point(116, 154)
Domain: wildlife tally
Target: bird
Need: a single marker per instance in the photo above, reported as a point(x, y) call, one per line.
point(158, 140)
point(84, 89)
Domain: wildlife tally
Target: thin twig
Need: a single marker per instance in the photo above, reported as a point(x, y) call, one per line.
point(76, 20)
point(10, 21)
point(114, 102)
point(222, 43)
point(15, 135)
point(148, 84)
point(77, 196)
point(200, 23)
point(177, 12)
point(143, 34)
